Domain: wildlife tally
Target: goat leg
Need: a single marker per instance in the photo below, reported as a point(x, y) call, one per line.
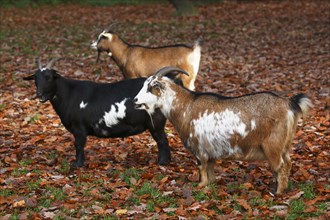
point(203, 173)
point(79, 143)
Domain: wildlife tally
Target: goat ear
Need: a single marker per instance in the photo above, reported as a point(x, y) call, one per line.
point(56, 75)
point(31, 77)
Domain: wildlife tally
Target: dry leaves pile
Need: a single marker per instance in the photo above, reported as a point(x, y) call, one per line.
point(249, 47)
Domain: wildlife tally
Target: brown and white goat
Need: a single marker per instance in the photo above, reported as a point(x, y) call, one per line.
point(257, 126)
point(137, 61)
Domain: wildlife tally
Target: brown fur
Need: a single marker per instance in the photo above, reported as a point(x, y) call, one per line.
point(137, 61)
point(269, 140)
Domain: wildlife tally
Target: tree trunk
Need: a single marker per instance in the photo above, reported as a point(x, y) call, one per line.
point(184, 7)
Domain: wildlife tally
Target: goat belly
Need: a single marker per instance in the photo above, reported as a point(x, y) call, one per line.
point(217, 134)
point(119, 130)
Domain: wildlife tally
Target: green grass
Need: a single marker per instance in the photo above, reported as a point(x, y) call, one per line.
point(131, 173)
point(6, 192)
point(56, 193)
point(65, 166)
point(308, 189)
point(297, 207)
point(33, 185)
point(19, 172)
point(34, 118)
point(2, 106)
point(25, 163)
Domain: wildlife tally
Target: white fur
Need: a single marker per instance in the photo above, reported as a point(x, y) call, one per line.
point(305, 104)
point(94, 43)
point(146, 98)
point(194, 60)
point(83, 105)
point(253, 124)
point(214, 131)
point(112, 117)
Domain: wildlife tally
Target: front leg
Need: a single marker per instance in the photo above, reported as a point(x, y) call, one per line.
point(79, 143)
point(158, 133)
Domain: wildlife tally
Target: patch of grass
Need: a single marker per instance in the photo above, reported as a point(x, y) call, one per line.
point(135, 200)
point(297, 206)
point(65, 166)
point(14, 216)
point(147, 188)
point(129, 173)
point(19, 172)
point(35, 118)
point(25, 163)
point(150, 206)
point(257, 201)
point(6, 192)
point(308, 189)
point(56, 193)
point(201, 196)
point(2, 105)
point(33, 185)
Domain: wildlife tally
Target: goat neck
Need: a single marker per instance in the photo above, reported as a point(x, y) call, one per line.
point(119, 51)
point(177, 105)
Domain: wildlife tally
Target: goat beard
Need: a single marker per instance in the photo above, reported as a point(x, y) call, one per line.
point(98, 56)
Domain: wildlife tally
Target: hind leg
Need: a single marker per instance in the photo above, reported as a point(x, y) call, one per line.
point(203, 173)
point(284, 173)
point(280, 166)
point(210, 170)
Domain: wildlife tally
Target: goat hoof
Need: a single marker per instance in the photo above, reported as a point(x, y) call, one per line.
point(164, 161)
point(76, 165)
point(201, 185)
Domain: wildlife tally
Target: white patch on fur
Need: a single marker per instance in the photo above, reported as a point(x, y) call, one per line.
point(117, 112)
point(194, 59)
point(305, 104)
point(107, 35)
point(83, 105)
point(253, 124)
point(94, 45)
point(146, 99)
point(150, 102)
point(43, 69)
point(215, 131)
point(290, 119)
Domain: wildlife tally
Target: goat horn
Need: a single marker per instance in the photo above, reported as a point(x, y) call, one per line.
point(165, 70)
point(38, 62)
point(110, 27)
point(51, 63)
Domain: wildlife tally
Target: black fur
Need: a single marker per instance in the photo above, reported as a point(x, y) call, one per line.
point(66, 95)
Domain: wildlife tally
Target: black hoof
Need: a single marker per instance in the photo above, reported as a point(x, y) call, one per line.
point(77, 164)
point(164, 160)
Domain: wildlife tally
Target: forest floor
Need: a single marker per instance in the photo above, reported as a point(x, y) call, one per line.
point(279, 46)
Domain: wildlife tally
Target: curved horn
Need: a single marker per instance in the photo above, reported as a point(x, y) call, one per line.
point(165, 70)
point(108, 29)
point(38, 62)
point(51, 63)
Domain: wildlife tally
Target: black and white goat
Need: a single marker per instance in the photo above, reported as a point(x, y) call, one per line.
point(98, 109)
point(252, 127)
point(138, 61)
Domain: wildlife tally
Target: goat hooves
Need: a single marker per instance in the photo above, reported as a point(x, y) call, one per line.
point(76, 164)
point(201, 185)
point(164, 161)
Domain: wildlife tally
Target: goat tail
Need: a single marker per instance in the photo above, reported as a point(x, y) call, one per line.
point(300, 104)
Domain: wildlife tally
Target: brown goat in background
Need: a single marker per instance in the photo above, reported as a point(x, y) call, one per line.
point(137, 61)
